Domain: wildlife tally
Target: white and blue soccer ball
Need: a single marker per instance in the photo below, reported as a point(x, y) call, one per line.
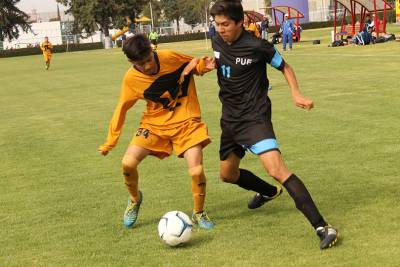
point(175, 228)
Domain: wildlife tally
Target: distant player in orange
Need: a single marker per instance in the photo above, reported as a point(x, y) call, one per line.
point(172, 119)
point(46, 47)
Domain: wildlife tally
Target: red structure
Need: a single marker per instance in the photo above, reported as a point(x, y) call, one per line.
point(362, 8)
point(293, 14)
point(253, 16)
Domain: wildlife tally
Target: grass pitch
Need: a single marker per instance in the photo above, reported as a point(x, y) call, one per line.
point(61, 204)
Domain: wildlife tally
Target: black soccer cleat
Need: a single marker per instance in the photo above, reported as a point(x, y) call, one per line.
point(328, 235)
point(258, 200)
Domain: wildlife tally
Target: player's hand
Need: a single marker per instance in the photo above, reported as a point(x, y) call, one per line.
point(210, 63)
point(182, 78)
point(303, 102)
point(103, 151)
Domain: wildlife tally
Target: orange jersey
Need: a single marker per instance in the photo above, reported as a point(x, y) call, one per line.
point(253, 28)
point(46, 47)
point(168, 103)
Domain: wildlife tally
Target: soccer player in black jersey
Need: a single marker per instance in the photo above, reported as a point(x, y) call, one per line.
point(246, 114)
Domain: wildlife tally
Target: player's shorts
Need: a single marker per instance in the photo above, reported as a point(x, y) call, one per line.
point(153, 41)
point(161, 142)
point(256, 136)
point(47, 57)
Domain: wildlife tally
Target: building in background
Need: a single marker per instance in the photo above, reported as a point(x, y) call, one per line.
point(34, 37)
point(254, 5)
point(55, 25)
point(321, 10)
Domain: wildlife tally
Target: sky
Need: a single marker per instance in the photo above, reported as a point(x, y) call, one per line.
point(39, 5)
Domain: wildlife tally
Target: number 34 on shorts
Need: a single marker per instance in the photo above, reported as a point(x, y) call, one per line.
point(144, 132)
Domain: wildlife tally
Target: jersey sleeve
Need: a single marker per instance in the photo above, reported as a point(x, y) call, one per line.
point(271, 55)
point(127, 99)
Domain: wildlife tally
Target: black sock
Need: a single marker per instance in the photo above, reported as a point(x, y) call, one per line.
point(303, 200)
point(249, 181)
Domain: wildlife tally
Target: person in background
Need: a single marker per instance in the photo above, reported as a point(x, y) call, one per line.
point(153, 36)
point(46, 48)
point(211, 31)
point(287, 32)
point(264, 28)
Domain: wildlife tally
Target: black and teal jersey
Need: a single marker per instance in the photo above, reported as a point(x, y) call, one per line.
point(242, 76)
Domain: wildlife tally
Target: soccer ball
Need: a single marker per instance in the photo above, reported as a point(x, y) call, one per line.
point(175, 228)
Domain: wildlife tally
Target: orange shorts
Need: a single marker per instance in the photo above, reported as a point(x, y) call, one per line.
point(47, 57)
point(161, 142)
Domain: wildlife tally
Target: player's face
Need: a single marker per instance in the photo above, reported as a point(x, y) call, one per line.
point(228, 28)
point(148, 65)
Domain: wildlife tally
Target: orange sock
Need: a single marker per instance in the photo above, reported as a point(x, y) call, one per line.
point(198, 188)
point(131, 177)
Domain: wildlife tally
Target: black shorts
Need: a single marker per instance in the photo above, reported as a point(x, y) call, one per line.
point(256, 136)
point(154, 41)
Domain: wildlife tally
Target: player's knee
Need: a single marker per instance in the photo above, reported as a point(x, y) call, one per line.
point(196, 171)
point(129, 163)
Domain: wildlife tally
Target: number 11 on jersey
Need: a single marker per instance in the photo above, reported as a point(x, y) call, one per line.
point(226, 71)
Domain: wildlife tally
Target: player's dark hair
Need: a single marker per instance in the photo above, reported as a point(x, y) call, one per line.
point(137, 47)
point(233, 9)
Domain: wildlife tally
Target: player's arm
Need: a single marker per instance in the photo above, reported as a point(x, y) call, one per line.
point(298, 98)
point(126, 101)
point(199, 66)
point(273, 58)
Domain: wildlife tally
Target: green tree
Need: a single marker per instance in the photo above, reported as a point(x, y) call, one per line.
point(11, 20)
point(91, 15)
point(156, 10)
point(194, 11)
point(173, 10)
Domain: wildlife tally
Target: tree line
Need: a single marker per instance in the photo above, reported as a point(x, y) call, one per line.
point(92, 15)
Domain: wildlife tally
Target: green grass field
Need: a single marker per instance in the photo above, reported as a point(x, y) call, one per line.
point(61, 203)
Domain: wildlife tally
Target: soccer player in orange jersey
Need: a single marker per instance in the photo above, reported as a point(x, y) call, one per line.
point(172, 120)
point(46, 47)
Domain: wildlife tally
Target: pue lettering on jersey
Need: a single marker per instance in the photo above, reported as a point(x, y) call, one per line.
point(243, 61)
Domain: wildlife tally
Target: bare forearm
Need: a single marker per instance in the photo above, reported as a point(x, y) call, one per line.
point(298, 99)
point(192, 64)
point(291, 79)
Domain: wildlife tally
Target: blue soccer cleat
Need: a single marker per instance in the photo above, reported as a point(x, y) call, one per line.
point(202, 220)
point(132, 211)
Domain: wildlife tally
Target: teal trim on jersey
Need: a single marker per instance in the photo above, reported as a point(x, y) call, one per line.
point(276, 61)
point(263, 146)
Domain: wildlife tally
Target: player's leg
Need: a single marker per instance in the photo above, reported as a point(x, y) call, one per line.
point(290, 37)
point(46, 59)
point(188, 142)
point(145, 142)
point(275, 166)
point(231, 154)
point(130, 162)
point(231, 173)
point(284, 41)
point(194, 159)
